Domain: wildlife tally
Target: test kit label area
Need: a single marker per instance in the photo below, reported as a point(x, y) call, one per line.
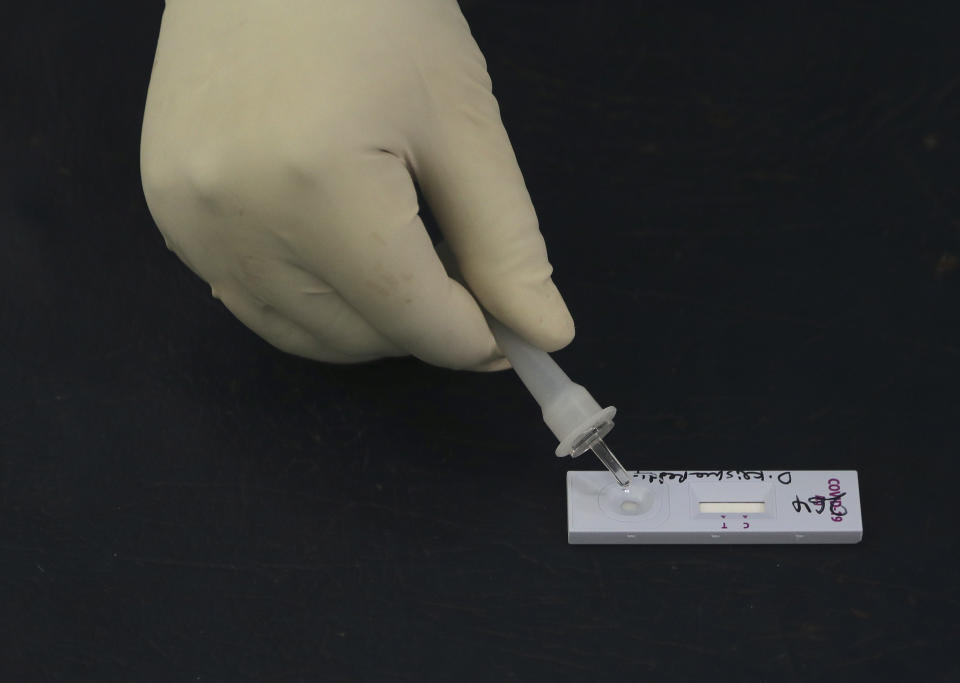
point(715, 506)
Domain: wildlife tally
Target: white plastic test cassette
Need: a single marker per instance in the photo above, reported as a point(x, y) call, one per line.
point(714, 506)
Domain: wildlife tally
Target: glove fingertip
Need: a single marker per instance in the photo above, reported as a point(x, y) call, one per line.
point(537, 313)
point(497, 365)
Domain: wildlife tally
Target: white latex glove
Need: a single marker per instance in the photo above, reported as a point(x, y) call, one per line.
point(281, 142)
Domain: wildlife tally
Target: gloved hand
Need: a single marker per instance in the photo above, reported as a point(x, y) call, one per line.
point(281, 143)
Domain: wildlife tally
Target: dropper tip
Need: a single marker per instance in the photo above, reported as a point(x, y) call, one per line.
point(609, 460)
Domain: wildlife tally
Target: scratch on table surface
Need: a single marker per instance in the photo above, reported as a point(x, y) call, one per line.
point(234, 567)
point(598, 572)
point(400, 511)
point(456, 607)
point(687, 645)
point(781, 637)
point(936, 199)
point(893, 112)
point(239, 486)
point(189, 564)
point(886, 651)
point(766, 316)
point(156, 646)
point(728, 588)
point(548, 659)
point(529, 558)
point(820, 414)
point(917, 590)
point(769, 316)
point(311, 675)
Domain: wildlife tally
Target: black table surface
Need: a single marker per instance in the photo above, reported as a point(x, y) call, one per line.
point(753, 212)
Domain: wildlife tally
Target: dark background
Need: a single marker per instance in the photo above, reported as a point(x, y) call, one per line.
point(753, 212)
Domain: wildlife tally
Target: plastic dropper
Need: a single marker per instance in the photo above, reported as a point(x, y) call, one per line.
point(569, 410)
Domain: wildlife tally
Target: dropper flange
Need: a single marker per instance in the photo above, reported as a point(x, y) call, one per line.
point(579, 439)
